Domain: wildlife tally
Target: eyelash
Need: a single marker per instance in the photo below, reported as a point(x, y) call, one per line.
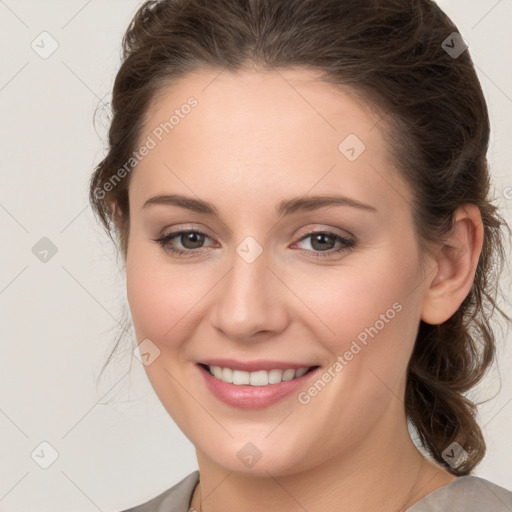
point(164, 242)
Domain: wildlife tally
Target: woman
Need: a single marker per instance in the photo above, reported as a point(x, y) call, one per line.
point(299, 190)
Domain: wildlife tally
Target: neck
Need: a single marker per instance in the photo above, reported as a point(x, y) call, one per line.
point(386, 476)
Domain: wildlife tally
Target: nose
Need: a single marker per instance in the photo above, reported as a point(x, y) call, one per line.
point(250, 302)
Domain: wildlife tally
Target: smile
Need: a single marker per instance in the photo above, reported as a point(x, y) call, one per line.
point(252, 386)
point(257, 378)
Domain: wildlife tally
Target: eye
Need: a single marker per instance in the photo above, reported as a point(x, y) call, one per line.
point(190, 240)
point(323, 243)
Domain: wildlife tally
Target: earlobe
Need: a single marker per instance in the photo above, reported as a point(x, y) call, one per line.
point(455, 262)
point(116, 215)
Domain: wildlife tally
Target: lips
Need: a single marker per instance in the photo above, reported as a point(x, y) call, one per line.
point(254, 384)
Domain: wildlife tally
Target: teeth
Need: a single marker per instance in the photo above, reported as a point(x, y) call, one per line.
point(258, 378)
point(240, 377)
point(289, 374)
point(275, 376)
point(300, 372)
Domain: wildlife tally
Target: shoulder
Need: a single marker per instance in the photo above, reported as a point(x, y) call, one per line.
point(466, 494)
point(175, 499)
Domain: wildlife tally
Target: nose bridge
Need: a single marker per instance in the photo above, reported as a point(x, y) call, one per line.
point(249, 300)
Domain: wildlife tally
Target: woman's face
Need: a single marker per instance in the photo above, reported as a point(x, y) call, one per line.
point(272, 275)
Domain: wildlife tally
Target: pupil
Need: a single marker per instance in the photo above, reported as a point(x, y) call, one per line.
point(195, 238)
point(319, 238)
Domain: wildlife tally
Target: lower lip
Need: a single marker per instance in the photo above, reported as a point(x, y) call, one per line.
point(253, 397)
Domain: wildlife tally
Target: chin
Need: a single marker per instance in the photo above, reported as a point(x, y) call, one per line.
point(259, 458)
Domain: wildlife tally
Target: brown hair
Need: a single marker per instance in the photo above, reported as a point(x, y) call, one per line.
point(391, 54)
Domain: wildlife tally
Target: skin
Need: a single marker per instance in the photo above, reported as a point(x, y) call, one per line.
point(257, 138)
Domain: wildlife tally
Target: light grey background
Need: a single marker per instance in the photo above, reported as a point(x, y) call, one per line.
point(115, 444)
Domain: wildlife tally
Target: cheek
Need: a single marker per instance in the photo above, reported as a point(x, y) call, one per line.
point(163, 298)
point(149, 294)
point(367, 311)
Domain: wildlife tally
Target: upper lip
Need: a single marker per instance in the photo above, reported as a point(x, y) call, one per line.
point(253, 366)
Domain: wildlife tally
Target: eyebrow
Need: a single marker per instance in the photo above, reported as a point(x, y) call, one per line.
point(285, 207)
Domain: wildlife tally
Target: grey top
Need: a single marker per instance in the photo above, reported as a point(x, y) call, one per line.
point(464, 494)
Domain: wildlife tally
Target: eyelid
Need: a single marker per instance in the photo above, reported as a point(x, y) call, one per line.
point(199, 228)
point(299, 236)
point(323, 229)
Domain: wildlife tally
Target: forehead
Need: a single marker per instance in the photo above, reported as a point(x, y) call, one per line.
point(260, 130)
point(271, 99)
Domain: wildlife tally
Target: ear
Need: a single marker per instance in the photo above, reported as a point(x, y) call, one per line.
point(116, 215)
point(455, 261)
